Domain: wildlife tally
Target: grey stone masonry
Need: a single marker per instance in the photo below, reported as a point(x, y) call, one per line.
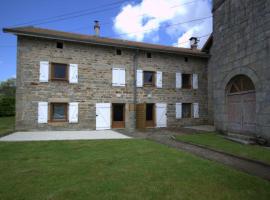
point(241, 41)
point(95, 63)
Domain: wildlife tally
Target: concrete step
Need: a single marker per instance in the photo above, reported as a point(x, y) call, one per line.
point(239, 140)
point(240, 136)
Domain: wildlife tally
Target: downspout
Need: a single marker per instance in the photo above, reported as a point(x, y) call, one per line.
point(135, 64)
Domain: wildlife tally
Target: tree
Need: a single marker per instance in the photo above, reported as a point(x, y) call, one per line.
point(7, 97)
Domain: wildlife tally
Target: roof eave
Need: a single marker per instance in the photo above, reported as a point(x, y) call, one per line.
point(24, 33)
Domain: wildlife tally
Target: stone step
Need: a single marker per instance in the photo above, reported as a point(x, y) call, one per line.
point(241, 141)
point(240, 136)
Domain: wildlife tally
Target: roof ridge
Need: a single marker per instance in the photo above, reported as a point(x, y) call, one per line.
point(84, 38)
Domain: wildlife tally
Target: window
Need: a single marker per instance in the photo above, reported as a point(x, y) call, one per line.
point(186, 110)
point(118, 52)
point(148, 55)
point(59, 112)
point(59, 72)
point(186, 81)
point(59, 45)
point(240, 83)
point(186, 59)
point(148, 78)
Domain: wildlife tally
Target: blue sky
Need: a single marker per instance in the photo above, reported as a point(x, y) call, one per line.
point(168, 22)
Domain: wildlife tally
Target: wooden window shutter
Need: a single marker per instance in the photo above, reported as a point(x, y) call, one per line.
point(139, 80)
point(42, 112)
point(195, 81)
point(43, 71)
point(122, 77)
point(178, 110)
point(73, 73)
point(115, 77)
point(196, 110)
point(159, 79)
point(118, 77)
point(178, 80)
point(73, 112)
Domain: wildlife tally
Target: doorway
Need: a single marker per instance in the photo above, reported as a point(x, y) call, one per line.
point(150, 115)
point(241, 105)
point(118, 115)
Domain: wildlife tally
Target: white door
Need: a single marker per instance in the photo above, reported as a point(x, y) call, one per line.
point(161, 114)
point(103, 116)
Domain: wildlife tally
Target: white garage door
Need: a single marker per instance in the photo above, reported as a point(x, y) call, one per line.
point(103, 116)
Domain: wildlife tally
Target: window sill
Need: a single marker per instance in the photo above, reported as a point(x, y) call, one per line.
point(119, 85)
point(59, 80)
point(58, 124)
point(149, 86)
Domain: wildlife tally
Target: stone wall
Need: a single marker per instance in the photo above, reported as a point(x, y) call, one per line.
point(95, 82)
point(241, 42)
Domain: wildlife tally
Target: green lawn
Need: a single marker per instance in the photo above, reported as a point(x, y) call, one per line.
point(216, 141)
point(6, 125)
point(118, 169)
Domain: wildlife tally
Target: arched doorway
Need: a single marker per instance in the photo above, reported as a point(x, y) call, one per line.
point(241, 105)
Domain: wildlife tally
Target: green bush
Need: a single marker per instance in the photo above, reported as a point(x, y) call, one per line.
point(7, 106)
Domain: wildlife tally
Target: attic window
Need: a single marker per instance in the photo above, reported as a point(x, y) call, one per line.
point(148, 55)
point(118, 52)
point(59, 45)
point(186, 59)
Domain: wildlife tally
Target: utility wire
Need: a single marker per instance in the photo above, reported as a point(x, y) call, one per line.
point(52, 19)
point(166, 26)
point(109, 22)
point(67, 15)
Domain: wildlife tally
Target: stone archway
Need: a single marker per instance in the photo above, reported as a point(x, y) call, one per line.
point(241, 105)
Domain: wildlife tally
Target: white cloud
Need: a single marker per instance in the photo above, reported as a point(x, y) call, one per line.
point(138, 21)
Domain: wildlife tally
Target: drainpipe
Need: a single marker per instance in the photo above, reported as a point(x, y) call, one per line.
point(135, 64)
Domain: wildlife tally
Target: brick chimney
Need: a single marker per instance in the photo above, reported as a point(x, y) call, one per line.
point(193, 42)
point(97, 28)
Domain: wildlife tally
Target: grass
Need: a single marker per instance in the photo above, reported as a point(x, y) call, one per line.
point(118, 169)
point(6, 125)
point(217, 142)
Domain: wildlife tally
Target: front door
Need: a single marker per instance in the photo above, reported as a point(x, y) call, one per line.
point(161, 114)
point(103, 116)
point(118, 115)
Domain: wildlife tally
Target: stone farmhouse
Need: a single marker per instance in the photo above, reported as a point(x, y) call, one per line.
point(69, 81)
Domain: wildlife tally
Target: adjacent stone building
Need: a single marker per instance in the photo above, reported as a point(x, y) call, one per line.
point(70, 81)
point(238, 70)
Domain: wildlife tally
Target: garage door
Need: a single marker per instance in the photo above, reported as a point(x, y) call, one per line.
point(241, 101)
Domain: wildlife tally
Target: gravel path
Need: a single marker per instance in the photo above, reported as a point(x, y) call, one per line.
point(166, 137)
